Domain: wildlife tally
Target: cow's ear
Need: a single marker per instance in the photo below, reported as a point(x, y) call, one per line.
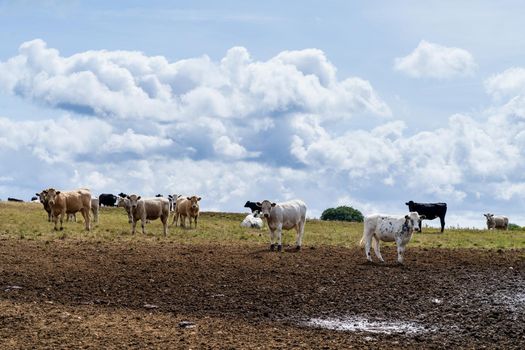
point(274, 204)
point(37, 194)
point(407, 217)
point(138, 198)
point(57, 192)
point(198, 199)
point(188, 198)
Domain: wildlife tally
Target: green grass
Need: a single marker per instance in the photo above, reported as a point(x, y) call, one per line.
point(29, 221)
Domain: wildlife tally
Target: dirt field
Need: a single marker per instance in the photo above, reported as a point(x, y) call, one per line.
point(75, 294)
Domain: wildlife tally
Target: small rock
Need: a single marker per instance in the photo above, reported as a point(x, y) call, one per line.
point(186, 324)
point(150, 306)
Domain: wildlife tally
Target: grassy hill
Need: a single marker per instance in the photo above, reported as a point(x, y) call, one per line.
point(29, 221)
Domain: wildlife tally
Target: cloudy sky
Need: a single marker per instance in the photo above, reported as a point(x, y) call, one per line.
point(364, 103)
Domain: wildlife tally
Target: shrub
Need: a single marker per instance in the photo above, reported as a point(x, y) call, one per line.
point(342, 213)
point(514, 227)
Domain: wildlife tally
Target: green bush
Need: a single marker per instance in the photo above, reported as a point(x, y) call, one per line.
point(514, 227)
point(342, 213)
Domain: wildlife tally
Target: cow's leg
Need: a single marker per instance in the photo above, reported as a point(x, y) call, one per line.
point(164, 220)
point(85, 214)
point(279, 237)
point(55, 220)
point(272, 235)
point(377, 250)
point(300, 233)
point(368, 242)
point(196, 221)
point(62, 220)
point(133, 225)
point(174, 222)
point(143, 225)
point(442, 220)
point(400, 252)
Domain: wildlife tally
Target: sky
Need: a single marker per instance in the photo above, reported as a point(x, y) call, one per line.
point(363, 103)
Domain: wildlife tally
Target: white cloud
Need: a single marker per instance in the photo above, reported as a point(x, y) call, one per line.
point(509, 83)
point(429, 60)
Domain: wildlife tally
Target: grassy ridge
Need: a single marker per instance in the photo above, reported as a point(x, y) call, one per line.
point(29, 221)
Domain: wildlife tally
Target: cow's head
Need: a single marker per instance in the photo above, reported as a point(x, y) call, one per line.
point(194, 202)
point(51, 196)
point(490, 219)
point(133, 200)
point(409, 203)
point(265, 207)
point(413, 222)
point(42, 196)
point(122, 202)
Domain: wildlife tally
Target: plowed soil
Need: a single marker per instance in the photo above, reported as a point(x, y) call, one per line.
point(78, 294)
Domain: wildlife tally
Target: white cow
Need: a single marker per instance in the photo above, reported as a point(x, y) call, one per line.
point(497, 222)
point(148, 209)
point(252, 221)
point(287, 215)
point(387, 228)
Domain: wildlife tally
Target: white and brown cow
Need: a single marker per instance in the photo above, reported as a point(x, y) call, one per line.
point(285, 215)
point(186, 207)
point(498, 222)
point(69, 202)
point(388, 228)
point(148, 209)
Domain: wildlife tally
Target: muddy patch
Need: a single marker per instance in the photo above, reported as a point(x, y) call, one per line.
point(361, 324)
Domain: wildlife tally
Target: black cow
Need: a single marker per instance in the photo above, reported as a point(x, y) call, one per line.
point(430, 210)
point(159, 195)
point(253, 206)
point(34, 198)
point(10, 199)
point(107, 200)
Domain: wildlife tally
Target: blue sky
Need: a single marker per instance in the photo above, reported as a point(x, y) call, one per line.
point(364, 103)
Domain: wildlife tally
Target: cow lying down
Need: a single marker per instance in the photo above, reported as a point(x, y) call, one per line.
point(252, 221)
point(388, 228)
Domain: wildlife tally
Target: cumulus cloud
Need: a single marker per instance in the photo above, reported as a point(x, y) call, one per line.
point(511, 82)
point(429, 60)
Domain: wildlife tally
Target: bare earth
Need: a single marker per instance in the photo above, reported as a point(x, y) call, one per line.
point(76, 294)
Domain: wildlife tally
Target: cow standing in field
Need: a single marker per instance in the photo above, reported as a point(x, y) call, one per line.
point(430, 211)
point(94, 210)
point(173, 201)
point(107, 199)
point(69, 202)
point(186, 207)
point(497, 222)
point(285, 215)
point(42, 197)
point(387, 228)
point(148, 209)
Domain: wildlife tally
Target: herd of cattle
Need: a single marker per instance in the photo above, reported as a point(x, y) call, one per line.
point(278, 216)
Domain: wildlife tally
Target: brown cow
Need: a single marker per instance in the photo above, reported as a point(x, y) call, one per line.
point(186, 207)
point(69, 202)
